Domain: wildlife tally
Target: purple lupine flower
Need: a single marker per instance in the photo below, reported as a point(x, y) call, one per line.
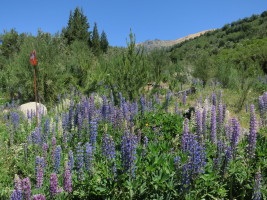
point(126, 112)
point(71, 114)
point(108, 147)
point(16, 195)
point(93, 132)
point(219, 154)
point(252, 133)
point(67, 181)
point(79, 160)
point(38, 197)
point(128, 152)
point(213, 99)
point(65, 139)
point(224, 111)
point(17, 183)
point(39, 161)
point(57, 158)
point(15, 119)
point(44, 152)
point(39, 177)
point(47, 128)
point(104, 109)
point(36, 136)
point(119, 119)
point(26, 187)
point(227, 158)
point(213, 135)
point(220, 120)
point(235, 134)
point(262, 109)
point(39, 171)
point(195, 163)
point(198, 119)
point(257, 195)
point(88, 157)
point(184, 98)
point(184, 141)
point(91, 106)
point(204, 122)
point(227, 129)
point(54, 185)
point(71, 160)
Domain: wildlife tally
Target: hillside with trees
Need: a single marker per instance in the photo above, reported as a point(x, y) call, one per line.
point(234, 56)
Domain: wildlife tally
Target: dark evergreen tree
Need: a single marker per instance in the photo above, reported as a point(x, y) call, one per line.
point(104, 42)
point(77, 28)
point(96, 41)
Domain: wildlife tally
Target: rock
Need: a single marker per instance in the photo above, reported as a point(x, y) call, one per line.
point(189, 112)
point(30, 107)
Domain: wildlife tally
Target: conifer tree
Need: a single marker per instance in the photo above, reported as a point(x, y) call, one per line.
point(96, 41)
point(77, 28)
point(104, 42)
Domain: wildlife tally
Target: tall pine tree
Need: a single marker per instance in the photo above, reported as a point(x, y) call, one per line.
point(96, 41)
point(104, 42)
point(77, 28)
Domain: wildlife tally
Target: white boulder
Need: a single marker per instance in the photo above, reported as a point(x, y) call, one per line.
point(30, 109)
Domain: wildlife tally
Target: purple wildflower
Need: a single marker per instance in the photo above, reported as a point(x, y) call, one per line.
point(204, 122)
point(26, 187)
point(71, 160)
point(128, 152)
point(38, 197)
point(67, 181)
point(16, 195)
point(79, 160)
point(57, 159)
point(39, 177)
point(213, 99)
point(88, 158)
point(220, 120)
point(195, 163)
point(185, 136)
point(45, 149)
point(252, 133)
point(213, 136)
point(108, 147)
point(198, 124)
point(257, 187)
point(93, 132)
point(54, 185)
point(235, 134)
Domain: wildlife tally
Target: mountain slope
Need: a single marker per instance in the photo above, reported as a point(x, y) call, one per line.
point(152, 44)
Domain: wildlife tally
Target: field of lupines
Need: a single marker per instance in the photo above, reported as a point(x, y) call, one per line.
point(104, 147)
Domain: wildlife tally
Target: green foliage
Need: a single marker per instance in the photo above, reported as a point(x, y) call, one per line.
point(128, 72)
point(104, 42)
point(77, 28)
point(95, 41)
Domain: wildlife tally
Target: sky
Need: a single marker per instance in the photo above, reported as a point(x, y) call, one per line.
point(148, 19)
